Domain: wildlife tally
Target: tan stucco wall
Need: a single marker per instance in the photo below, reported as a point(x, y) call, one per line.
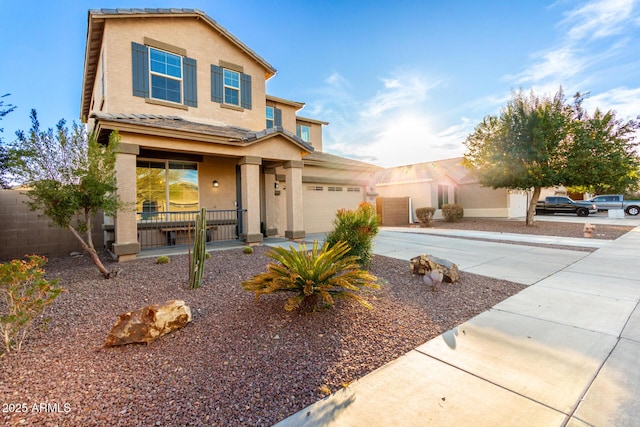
point(222, 170)
point(420, 193)
point(475, 196)
point(202, 43)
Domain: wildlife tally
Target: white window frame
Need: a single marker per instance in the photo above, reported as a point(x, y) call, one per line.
point(225, 86)
point(166, 76)
point(271, 119)
point(306, 137)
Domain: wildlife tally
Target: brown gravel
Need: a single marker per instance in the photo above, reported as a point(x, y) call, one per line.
point(540, 228)
point(237, 363)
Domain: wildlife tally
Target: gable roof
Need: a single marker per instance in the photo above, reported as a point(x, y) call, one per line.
point(426, 172)
point(175, 126)
point(95, 29)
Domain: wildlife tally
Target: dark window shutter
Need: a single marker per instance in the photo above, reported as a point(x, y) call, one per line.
point(245, 91)
point(190, 83)
point(277, 117)
point(140, 67)
point(216, 84)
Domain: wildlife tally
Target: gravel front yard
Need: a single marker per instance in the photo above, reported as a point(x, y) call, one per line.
point(238, 362)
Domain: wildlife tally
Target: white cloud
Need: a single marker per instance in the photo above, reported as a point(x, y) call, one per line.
point(598, 19)
point(592, 36)
point(625, 102)
point(395, 126)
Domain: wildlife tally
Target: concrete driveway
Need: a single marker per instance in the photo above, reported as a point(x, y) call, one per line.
point(515, 262)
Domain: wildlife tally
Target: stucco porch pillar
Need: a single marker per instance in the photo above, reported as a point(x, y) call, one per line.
point(250, 191)
point(270, 202)
point(295, 220)
point(126, 244)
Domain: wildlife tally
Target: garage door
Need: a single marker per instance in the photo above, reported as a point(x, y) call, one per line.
point(321, 201)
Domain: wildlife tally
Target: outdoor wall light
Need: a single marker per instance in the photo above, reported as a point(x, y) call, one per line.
point(216, 183)
point(276, 185)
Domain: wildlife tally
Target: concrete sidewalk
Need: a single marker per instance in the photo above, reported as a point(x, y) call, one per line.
point(563, 352)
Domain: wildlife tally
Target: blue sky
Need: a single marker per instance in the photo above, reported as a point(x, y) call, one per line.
point(400, 82)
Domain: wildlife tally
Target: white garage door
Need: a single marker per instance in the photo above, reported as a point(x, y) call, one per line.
point(321, 201)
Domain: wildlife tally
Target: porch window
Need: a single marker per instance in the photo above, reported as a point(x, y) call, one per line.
point(165, 186)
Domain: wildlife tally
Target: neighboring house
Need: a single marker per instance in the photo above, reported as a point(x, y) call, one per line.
point(433, 184)
point(199, 131)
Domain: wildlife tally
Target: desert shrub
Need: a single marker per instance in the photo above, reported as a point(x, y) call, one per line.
point(24, 295)
point(315, 276)
point(163, 259)
point(452, 212)
point(247, 250)
point(357, 228)
point(207, 255)
point(425, 215)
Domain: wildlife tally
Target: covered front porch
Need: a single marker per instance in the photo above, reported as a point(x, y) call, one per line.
point(250, 183)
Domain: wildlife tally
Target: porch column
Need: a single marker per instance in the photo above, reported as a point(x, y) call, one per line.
point(295, 220)
point(270, 202)
point(250, 190)
point(126, 244)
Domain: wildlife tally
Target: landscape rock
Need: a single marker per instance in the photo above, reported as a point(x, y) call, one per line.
point(424, 264)
point(149, 323)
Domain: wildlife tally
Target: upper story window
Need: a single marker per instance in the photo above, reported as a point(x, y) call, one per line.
point(162, 75)
point(166, 75)
point(270, 117)
point(303, 132)
point(231, 87)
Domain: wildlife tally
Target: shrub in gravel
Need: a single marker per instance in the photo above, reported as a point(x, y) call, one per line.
point(315, 276)
point(247, 250)
point(425, 215)
point(452, 212)
point(163, 259)
point(24, 295)
point(357, 228)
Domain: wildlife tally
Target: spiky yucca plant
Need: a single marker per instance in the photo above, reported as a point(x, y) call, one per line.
point(319, 274)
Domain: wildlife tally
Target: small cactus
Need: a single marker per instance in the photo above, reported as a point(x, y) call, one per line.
point(163, 260)
point(247, 250)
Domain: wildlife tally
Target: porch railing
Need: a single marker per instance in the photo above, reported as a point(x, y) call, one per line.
point(157, 229)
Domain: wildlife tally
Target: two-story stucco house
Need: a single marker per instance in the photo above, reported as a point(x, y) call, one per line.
point(199, 131)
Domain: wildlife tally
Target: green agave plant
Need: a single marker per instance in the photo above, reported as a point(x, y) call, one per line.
point(317, 274)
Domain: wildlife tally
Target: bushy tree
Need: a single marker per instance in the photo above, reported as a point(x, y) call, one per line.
point(69, 175)
point(539, 142)
point(4, 110)
point(602, 157)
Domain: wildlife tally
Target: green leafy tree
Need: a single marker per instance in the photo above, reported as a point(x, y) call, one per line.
point(602, 157)
point(523, 147)
point(70, 177)
point(4, 159)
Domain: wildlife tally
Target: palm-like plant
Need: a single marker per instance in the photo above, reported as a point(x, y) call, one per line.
point(326, 274)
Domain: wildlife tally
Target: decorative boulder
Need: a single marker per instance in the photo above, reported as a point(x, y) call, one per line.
point(149, 323)
point(432, 268)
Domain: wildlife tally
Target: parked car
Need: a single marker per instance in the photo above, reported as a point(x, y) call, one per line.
point(561, 204)
point(616, 201)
